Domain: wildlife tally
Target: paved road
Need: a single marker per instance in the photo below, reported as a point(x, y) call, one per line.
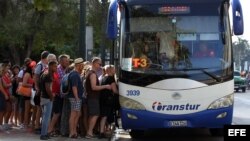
point(241, 113)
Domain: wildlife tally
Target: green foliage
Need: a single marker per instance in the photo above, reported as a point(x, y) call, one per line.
point(241, 49)
point(96, 17)
point(34, 26)
point(29, 27)
point(43, 5)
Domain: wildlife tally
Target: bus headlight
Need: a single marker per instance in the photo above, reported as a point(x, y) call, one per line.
point(222, 102)
point(130, 104)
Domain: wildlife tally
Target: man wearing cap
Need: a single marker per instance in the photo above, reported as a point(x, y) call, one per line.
point(75, 96)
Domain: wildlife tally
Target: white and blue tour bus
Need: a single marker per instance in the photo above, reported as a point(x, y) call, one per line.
point(165, 81)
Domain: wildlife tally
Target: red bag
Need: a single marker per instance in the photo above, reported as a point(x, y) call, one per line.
point(24, 91)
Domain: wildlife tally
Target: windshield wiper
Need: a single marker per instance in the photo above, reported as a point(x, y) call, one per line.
point(218, 79)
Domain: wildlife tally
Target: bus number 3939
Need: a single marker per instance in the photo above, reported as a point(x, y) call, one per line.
point(133, 93)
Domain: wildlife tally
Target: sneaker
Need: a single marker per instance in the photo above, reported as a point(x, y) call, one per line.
point(48, 136)
point(101, 136)
point(21, 126)
point(6, 126)
point(1, 128)
point(37, 131)
point(44, 137)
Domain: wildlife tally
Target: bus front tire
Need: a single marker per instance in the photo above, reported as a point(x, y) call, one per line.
point(136, 133)
point(243, 89)
point(237, 90)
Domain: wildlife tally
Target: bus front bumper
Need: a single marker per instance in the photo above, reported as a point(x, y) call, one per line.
point(143, 120)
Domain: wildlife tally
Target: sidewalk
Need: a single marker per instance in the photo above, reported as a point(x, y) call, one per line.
point(16, 134)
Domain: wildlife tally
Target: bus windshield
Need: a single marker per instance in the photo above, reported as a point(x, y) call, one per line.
point(175, 37)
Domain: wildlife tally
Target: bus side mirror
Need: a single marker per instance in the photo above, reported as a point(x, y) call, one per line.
point(112, 28)
point(238, 24)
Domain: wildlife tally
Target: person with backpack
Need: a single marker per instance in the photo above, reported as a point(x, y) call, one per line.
point(66, 109)
point(41, 66)
point(58, 100)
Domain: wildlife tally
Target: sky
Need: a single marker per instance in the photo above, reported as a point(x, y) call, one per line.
point(245, 5)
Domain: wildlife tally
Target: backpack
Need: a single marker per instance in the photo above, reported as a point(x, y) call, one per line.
point(65, 85)
point(38, 93)
point(40, 75)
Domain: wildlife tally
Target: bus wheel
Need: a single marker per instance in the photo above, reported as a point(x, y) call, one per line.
point(244, 89)
point(136, 133)
point(236, 90)
point(216, 131)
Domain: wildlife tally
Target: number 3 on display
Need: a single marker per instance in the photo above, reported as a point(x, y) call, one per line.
point(139, 62)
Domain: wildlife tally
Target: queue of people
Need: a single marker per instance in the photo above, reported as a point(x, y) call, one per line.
point(85, 111)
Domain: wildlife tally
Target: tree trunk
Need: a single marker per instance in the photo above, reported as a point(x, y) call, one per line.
point(17, 55)
point(29, 42)
point(14, 54)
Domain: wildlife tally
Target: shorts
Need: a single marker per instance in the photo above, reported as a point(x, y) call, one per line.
point(2, 103)
point(57, 105)
point(75, 105)
point(26, 97)
point(93, 106)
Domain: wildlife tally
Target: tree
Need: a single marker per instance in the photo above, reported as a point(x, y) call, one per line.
point(241, 49)
point(28, 27)
point(96, 16)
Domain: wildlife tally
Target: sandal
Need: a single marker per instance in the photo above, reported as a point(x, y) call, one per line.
point(74, 136)
point(53, 134)
point(89, 136)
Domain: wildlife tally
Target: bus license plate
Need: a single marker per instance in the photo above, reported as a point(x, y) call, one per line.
point(180, 123)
